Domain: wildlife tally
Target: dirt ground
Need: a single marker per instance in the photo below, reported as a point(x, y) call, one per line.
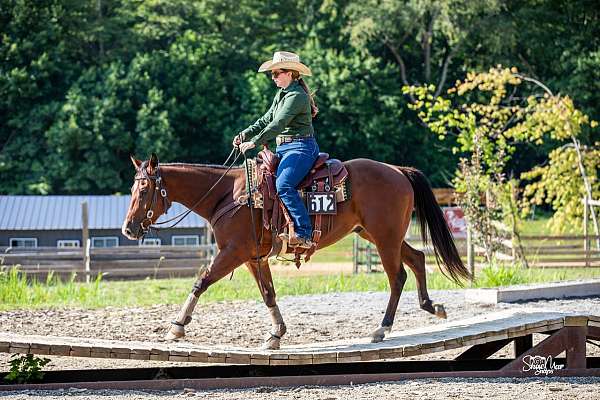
point(309, 319)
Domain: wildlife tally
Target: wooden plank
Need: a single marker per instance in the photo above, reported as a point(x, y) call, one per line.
point(159, 355)
point(412, 351)
point(39, 348)
point(80, 351)
point(4, 346)
point(198, 356)
point(19, 347)
point(370, 355)
point(349, 359)
point(100, 352)
point(178, 358)
point(279, 362)
point(576, 320)
point(325, 360)
point(217, 357)
point(453, 343)
point(300, 356)
point(348, 356)
point(233, 358)
point(60, 350)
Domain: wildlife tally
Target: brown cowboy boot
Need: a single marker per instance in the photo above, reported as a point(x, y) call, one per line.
point(296, 241)
point(304, 243)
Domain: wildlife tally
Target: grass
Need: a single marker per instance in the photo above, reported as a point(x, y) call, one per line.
point(19, 292)
point(337, 252)
point(16, 292)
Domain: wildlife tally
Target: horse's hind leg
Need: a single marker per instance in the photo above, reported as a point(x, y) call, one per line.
point(415, 259)
point(262, 275)
point(392, 264)
point(391, 258)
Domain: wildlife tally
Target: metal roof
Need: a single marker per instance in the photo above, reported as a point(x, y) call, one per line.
point(64, 212)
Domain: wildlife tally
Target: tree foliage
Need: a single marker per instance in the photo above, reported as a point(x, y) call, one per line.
point(490, 113)
point(84, 84)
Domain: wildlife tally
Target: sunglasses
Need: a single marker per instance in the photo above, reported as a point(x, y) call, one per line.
point(276, 74)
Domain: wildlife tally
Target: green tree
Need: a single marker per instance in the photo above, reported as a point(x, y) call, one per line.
point(489, 113)
point(422, 36)
point(42, 47)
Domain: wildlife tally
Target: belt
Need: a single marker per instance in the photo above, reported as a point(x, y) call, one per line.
point(281, 139)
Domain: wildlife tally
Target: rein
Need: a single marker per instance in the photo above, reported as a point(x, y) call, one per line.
point(158, 182)
point(163, 192)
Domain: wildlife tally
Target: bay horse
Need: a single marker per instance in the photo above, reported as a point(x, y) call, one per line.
point(379, 210)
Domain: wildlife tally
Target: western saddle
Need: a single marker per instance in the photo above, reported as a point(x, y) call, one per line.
point(323, 187)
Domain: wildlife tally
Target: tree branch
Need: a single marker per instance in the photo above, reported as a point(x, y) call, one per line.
point(444, 74)
point(426, 45)
point(400, 62)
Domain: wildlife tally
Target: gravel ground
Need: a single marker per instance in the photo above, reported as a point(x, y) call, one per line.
point(309, 319)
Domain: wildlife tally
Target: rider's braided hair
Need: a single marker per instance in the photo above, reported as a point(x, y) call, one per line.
point(313, 105)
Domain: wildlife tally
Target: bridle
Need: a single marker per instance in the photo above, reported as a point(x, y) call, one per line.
point(142, 173)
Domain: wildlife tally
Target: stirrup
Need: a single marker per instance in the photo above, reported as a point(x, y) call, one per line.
point(292, 241)
point(304, 243)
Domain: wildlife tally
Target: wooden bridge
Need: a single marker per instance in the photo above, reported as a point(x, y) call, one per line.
point(481, 336)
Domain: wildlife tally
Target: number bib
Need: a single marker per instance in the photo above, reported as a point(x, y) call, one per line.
point(321, 203)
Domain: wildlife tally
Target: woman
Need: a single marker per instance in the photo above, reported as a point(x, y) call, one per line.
point(289, 121)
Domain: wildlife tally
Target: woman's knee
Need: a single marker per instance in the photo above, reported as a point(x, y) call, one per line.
point(283, 186)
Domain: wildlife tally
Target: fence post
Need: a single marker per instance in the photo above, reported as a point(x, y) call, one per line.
point(85, 239)
point(470, 253)
point(586, 239)
point(209, 241)
point(369, 257)
point(88, 258)
point(355, 254)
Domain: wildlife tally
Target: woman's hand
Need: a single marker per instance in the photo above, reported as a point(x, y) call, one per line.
point(246, 146)
point(237, 140)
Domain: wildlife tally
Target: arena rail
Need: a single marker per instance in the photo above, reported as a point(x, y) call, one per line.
point(123, 262)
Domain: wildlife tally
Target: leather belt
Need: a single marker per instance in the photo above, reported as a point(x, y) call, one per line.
point(281, 139)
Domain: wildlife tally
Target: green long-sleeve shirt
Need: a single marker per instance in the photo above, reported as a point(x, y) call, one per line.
point(289, 114)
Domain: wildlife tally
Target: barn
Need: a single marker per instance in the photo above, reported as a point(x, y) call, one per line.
point(56, 221)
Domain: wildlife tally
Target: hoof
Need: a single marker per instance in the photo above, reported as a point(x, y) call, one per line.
point(377, 338)
point(428, 306)
point(271, 343)
point(440, 311)
point(379, 334)
point(176, 332)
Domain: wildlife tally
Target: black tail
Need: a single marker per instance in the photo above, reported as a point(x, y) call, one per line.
point(431, 218)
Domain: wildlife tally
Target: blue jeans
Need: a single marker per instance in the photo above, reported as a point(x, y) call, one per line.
point(296, 159)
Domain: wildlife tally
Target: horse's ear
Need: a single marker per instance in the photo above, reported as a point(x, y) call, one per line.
point(135, 161)
point(153, 161)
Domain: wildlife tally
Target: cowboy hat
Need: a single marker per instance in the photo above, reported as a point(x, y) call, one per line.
point(285, 60)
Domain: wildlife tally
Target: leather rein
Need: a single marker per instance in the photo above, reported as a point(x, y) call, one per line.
point(142, 173)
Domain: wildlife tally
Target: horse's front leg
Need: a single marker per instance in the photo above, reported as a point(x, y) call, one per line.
point(262, 275)
point(226, 261)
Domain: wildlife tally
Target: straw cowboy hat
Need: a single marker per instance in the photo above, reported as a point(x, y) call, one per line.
point(285, 60)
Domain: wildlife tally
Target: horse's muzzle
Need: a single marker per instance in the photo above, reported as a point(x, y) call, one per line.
point(131, 230)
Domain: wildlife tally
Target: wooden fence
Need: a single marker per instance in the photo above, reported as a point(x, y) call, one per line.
point(540, 252)
point(125, 262)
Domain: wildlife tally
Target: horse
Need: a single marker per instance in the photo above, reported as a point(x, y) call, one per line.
point(379, 210)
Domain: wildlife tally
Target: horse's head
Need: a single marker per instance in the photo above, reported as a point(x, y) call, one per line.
point(148, 198)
